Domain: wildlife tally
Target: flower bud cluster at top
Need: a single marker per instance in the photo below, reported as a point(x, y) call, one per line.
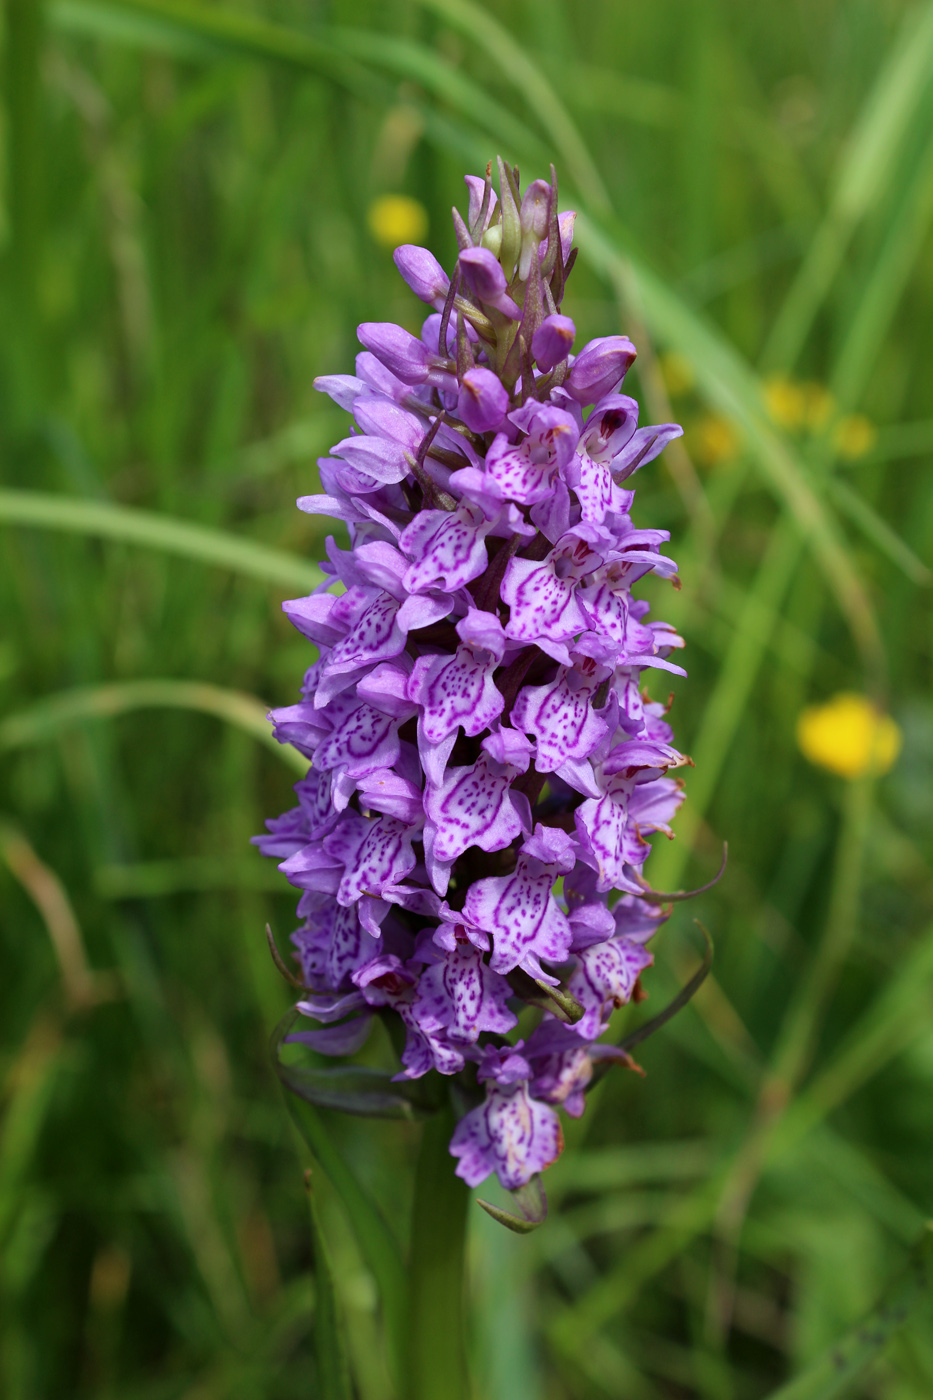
point(474, 724)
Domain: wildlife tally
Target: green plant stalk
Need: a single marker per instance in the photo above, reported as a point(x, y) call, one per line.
point(376, 1241)
point(330, 1352)
point(437, 1351)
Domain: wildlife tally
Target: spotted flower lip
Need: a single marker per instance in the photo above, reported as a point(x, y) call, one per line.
point(485, 769)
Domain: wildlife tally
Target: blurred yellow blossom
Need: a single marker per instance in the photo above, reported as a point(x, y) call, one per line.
point(854, 435)
point(678, 374)
point(714, 439)
point(848, 736)
point(794, 404)
point(785, 401)
point(818, 405)
point(395, 219)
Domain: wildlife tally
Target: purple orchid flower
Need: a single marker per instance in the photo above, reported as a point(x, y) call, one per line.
point(485, 768)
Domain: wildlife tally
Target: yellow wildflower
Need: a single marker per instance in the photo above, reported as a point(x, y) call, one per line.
point(714, 439)
point(818, 405)
point(848, 736)
point(785, 401)
point(395, 219)
point(678, 374)
point(854, 435)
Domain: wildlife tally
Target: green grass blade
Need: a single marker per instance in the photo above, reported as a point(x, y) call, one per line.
point(233, 31)
point(204, 31)
point(54, 715)
point(878, 531)
point(899, 1015)
point(848, 1359)
point(115, 23)
point(888, 119)
point(730, 695)
point(511, 56)
point(729, 385)
point(153, 531)
point(420, 64)
point(864, 339)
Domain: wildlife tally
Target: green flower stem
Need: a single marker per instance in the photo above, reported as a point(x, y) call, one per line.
point(437, 1351)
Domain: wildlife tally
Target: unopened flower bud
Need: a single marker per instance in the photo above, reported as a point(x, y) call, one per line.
point(552, 341)
point(600, 368)
point(477, 193)
point(565, 223)
point(483, 400)
point(486, 281)
point(403, 353)
point(492, 239)
point(423, 273)
point(534, 221)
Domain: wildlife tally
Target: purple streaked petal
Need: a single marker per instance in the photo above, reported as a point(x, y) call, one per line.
point(383, 856)
point(643, 446)
point(521, 914)
point(604, 978)
point(460, 994)
point(332, 944)
point(367, 740)
point(510, 1134)
point(455, 690)
point(447, 548)
point(562, 719)
point(472, 807)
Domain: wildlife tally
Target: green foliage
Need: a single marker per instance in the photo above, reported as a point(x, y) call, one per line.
point(184, 246)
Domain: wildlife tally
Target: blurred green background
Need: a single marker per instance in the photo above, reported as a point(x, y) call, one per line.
point(190, 232)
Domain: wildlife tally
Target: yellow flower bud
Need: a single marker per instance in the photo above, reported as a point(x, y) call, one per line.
point(854, 435)
point(848, 736)
point(678, 374)
point(785, 401)
point(714, 439)
point(395, 219)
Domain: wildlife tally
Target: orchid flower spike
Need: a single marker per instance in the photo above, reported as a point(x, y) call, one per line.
point(484, 769)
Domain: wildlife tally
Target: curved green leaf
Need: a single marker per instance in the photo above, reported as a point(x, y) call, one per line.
point(143, 527)
point(377, 1243)
point(366, 1093)
point(58, 713)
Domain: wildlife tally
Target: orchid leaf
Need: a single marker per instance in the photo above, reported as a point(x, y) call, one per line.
point(531, 1203)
